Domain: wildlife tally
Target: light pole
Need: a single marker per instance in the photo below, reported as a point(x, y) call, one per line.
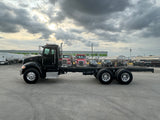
point(92, 50)
point(130, 52)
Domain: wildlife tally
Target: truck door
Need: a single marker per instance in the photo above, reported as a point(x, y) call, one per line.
point(49, 59)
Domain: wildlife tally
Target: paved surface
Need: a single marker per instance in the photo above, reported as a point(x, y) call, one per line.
point(77, 97)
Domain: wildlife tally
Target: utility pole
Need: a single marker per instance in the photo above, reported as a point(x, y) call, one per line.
point(130, 52)
point(92, 50)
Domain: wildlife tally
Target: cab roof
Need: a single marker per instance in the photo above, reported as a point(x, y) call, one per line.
point(80, 55)
point(50, 46)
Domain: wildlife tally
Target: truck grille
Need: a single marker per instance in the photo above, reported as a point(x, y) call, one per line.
point(81, 63)
point(64, 61)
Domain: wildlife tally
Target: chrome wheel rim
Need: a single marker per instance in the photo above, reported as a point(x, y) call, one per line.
point(125, 77)
point(31, 76)
point(106, 77)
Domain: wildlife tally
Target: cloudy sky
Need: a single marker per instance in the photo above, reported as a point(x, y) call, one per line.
point(111, 25)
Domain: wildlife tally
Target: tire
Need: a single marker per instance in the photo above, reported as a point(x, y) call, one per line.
point(124, 76)
point(31, 76)
point(105, 76)
point(117, 72)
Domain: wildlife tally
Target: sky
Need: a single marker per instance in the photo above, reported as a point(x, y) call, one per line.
point(115, 26)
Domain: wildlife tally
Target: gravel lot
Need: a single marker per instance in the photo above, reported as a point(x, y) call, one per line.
point(77, 97)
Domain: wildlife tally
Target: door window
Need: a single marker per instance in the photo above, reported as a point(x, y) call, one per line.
point(46, 51)
point(52, 52)
point(49, 54)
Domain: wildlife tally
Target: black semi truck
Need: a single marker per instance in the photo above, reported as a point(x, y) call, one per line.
point(48, 65)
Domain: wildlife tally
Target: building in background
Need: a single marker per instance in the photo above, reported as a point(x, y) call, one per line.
point(88, 53)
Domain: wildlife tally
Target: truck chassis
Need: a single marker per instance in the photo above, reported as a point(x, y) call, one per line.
point(104, 74)
point(47, 66)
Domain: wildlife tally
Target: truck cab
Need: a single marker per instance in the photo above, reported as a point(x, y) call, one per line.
point(50, 57)
point(43, 65)
point(80, 60)
point(67, 60)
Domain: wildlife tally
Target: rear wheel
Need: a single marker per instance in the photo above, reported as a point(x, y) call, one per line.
point(31, 76)
point(105, 76)
point(124, 76)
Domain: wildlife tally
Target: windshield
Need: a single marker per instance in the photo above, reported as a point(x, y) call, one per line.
point(81, 57)
point(66, 56)
point(92, 60)
point(106, 60)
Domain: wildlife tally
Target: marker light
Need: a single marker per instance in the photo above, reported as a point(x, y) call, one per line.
point(23, 67)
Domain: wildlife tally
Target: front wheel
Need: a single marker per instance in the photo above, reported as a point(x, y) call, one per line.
point(31, 76)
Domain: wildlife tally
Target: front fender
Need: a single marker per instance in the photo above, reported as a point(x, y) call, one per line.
point(31, 65)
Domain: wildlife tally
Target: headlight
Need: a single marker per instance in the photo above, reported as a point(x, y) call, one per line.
point(23, 67)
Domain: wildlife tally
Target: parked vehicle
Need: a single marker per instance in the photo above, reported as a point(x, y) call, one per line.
point(155, 63)
point(47, 66)
point(80, 60)
point(93, 63)
point(10, 58)
point(147, 63)
point(3, 60)
point(107, 63)
point(67, 60)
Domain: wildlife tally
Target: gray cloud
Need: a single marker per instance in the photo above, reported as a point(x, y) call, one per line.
point(145, 18)
point(53, 1)
point(58, 17)
point(145, 14)
point(76, 31)
point(13, 19)
point(152, 31)
point(112, 16)
point(88, 43)
point(93, 14)
point(55, 16)
point(108, 37)
point(96, 7)
point(70, 37)
point(66, 36)
point(23, 5)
